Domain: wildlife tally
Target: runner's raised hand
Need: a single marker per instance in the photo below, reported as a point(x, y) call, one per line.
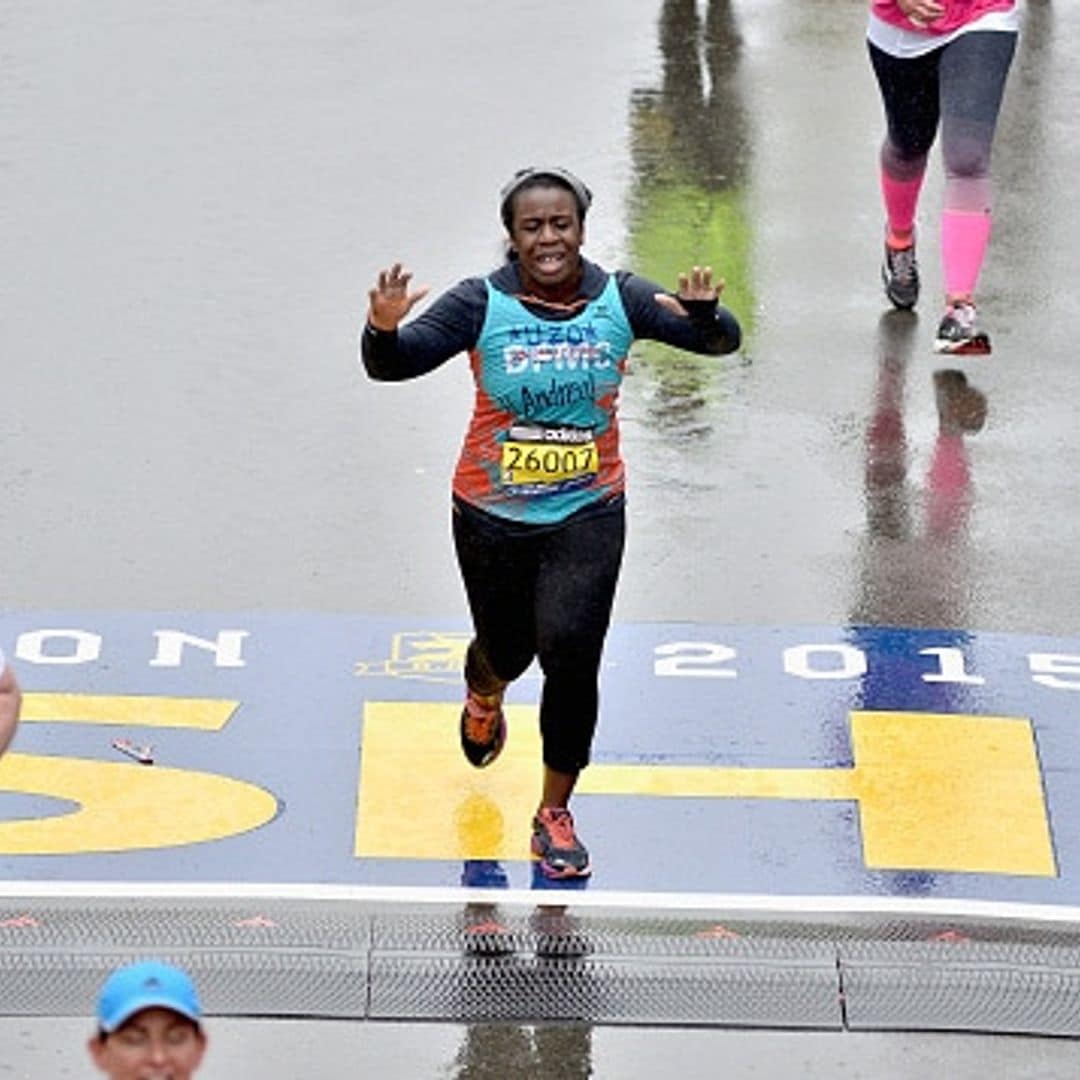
point(697, 285)
point(390, 300)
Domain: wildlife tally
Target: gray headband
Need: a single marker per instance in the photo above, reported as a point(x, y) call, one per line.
point(523, 176)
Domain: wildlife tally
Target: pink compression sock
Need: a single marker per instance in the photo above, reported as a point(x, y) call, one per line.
point(964, 239)
point(901, 198)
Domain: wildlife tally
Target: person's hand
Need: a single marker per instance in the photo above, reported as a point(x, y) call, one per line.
point(10, 704)
point(921, 12)
point(390, 300)
point(697, 285)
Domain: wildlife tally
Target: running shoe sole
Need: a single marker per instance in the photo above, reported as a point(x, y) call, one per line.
point(979, 345)
point(480, 755)
point(490, 938)
point(562, 940)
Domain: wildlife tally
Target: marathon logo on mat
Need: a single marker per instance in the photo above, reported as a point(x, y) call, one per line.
point(834, 760)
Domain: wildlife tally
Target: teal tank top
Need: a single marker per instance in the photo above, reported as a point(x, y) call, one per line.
point(543, 441)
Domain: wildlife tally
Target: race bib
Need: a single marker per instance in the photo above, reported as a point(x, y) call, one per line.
point(540, 460)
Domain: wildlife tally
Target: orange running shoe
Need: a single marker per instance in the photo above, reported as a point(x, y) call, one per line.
point(562, 854)
point(483, 728)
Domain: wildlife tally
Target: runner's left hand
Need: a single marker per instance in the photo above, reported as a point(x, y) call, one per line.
point(697, 285)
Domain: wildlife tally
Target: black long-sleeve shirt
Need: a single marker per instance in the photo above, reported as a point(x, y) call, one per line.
point(453, 322)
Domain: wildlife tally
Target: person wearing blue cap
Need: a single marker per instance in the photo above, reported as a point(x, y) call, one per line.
point(538, 492)
point(10, 703)
point(149, 1024)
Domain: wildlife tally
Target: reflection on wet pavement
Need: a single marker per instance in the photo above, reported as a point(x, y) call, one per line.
point(501, 1051)
point(915, 555)
point(690, 142)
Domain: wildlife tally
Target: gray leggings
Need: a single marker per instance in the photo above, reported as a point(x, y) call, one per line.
point(958, 87)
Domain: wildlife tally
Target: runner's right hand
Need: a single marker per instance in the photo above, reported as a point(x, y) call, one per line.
point(390, 300)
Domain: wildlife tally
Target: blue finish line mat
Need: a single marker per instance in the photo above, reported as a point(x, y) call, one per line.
point(786, 761)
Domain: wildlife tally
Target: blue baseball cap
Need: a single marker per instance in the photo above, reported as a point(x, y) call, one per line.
point(146, 985)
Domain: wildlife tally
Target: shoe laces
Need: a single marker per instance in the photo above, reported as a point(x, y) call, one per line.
point(902, 263)
point(963, 314)
point(560, 826)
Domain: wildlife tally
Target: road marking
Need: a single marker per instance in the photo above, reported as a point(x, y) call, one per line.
point(124, 807)
point(930, 788)
point(203, 714)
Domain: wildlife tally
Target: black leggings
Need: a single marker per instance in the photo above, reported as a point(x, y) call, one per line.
point(959, 86)
point(545, 592)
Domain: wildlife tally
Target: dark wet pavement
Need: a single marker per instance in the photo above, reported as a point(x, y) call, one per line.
point(196, 201)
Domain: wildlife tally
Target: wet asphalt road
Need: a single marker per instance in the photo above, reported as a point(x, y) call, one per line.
point(312, 1050)
point(195, 199)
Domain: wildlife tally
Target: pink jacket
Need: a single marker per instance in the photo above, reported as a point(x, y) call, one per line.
point(957, 13)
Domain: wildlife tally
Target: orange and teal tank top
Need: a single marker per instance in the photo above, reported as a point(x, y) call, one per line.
point(543, 441)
